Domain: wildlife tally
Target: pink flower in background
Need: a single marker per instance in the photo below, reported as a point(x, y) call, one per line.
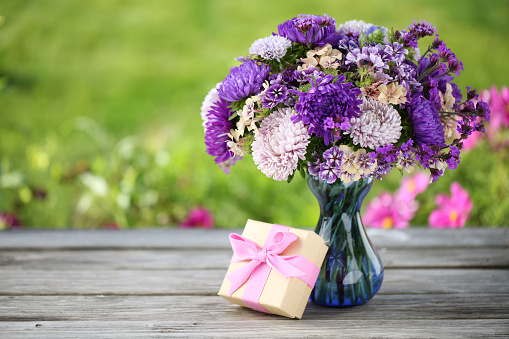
point(198, 217)
point(396, 210)
point(111, 226)
point(499, 109)
point(412, 186)
point(472, 140)
point(389, 211)
point(453, 211)
point(9, 221)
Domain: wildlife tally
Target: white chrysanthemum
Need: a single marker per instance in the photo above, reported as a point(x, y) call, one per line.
point(378, 124)
point(211, 98)
point(280, 144)
point(354, 25)
point(271, 47)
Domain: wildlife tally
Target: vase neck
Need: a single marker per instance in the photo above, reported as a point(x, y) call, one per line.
point(340, 206)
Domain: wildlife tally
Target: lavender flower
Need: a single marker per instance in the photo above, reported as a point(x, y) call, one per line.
point(216, 131)
point(311, 30)
point(378, 125)
point(272, 47)
point(280, 144)
point(366, 56)
point(416, 31)
point(243, 81)
point(327, 97)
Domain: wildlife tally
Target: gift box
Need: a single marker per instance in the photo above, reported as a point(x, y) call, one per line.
point(273, 268)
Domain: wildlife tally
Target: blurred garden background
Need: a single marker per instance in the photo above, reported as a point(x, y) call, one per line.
point(100, 110)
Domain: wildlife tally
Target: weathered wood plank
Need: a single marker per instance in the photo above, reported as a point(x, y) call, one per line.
point(263, 326)
point(199, 238)
point(207, 282)
point(187, 308)
point(475, 257)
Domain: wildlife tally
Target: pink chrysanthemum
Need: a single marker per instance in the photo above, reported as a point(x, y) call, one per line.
point(378, 125)
point(280, 144)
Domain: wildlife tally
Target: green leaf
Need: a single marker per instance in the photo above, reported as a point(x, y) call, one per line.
point(363, 39)
point(233, 116)
point(290, 178)
point(302, 172)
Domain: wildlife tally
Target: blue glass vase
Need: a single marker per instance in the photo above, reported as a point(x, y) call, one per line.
point(352, 272)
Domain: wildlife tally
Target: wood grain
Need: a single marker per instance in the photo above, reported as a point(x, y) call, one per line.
point(200, 238)
point(479, 257)
point(160, 283)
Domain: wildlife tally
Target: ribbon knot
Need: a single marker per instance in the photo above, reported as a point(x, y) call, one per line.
point(262, 255)
point(247, 250)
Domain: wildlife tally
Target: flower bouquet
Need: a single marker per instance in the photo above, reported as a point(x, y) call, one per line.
point(343, 105)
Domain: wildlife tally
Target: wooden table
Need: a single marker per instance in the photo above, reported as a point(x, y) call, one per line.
point(163, 282)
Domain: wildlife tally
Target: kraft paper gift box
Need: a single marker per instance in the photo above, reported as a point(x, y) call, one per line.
point(262, 285)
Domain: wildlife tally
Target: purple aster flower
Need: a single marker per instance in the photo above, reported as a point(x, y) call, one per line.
point(216, 131)
point(426, 123)
point(243, 81)
point(311, 30)
point(327, 98)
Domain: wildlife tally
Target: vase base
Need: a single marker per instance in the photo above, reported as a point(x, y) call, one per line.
point(352, 295)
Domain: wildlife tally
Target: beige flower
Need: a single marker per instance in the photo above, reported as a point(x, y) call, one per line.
point(447, 99)
point(450, 132)
point(370, 92)
point(324, 56)
point(328, 62)
point(349, 163)
point(406, 161)
point(235, 144)
point(366, 165)
point(237, 148)
point(392, 93)
point(258, 98)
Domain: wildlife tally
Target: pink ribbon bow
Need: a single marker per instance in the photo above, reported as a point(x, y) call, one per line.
point(261, 261)
point(247, 250)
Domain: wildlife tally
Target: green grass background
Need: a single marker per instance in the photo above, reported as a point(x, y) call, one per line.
point(114, 88)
